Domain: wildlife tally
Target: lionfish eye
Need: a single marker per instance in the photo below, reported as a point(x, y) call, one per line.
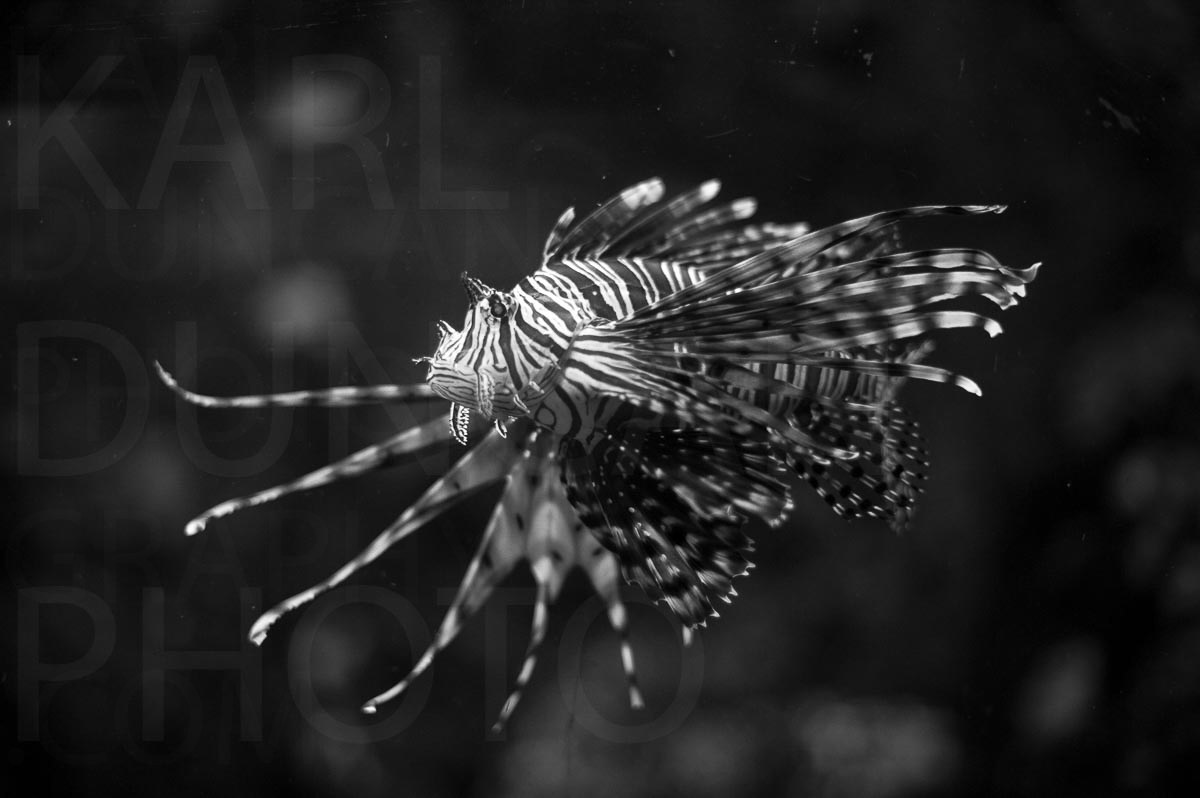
point(496, 306)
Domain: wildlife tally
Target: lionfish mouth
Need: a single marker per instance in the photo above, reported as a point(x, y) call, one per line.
point(445, 376)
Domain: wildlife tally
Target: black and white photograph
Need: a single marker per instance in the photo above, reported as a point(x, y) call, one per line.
point(598, 398)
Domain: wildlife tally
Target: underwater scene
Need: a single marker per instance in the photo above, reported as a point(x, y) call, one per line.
point(601, 398)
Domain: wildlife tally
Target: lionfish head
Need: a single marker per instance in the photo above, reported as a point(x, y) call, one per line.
point(468, 366)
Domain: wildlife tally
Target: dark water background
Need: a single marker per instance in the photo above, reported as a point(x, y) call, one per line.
point(1037, 632)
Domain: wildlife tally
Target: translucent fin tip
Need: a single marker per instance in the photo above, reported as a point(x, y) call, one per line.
point(165, 376)
point(258, 632)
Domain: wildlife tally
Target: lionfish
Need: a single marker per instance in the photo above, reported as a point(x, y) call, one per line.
point(652, 386)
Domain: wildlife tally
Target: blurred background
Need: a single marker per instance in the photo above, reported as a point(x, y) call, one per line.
point(280, 195)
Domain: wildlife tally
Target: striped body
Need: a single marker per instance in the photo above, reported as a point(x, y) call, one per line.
point(565, 298)
point(520, 353)
point(657, 384)
point(579, 291)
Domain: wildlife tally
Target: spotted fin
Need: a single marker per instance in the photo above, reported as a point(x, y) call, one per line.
point(672, 505)
point(888, 476)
